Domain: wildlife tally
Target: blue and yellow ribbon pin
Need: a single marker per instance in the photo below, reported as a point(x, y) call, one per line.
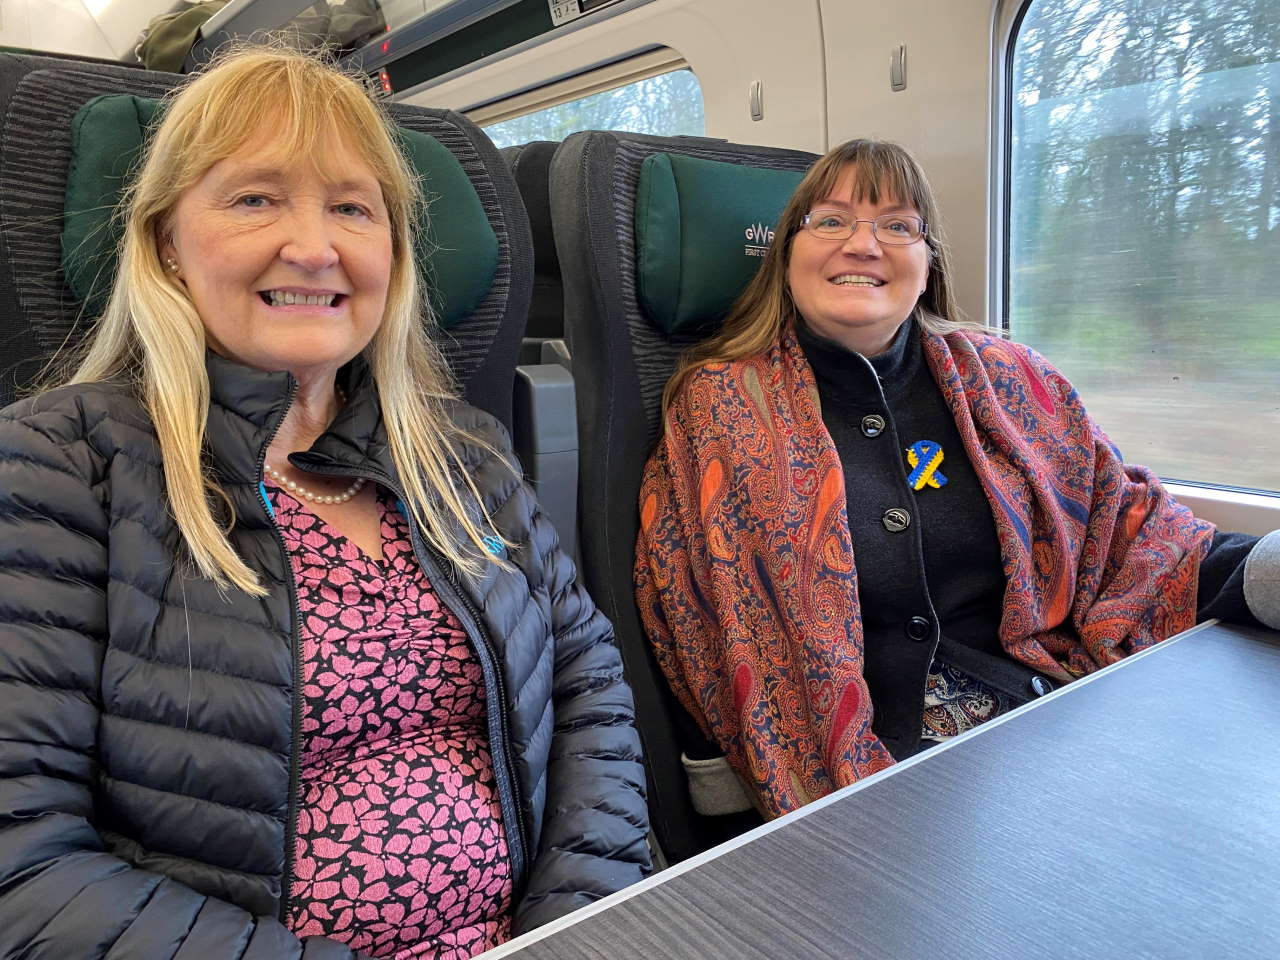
point(924, 457)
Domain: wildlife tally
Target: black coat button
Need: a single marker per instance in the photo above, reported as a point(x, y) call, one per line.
point(918, 629)
point(873, 425)
point(1041, 685)
point(896, 520)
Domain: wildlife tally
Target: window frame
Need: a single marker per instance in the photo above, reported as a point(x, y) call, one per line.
point(654, 62)
point(1009, 17)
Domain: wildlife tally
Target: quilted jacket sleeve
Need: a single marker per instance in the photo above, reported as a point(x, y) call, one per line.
point(595, 827)
point(62, 895)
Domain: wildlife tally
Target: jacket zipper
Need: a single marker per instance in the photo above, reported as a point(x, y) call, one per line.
point(291, 814)
point(504, 770)
point(444, 580)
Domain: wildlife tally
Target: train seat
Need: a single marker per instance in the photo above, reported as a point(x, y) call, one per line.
point(49, 161)
point(546, 428)
point(656, 237)
point(530, 165)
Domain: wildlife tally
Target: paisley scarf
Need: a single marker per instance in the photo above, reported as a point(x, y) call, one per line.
point(745, 572)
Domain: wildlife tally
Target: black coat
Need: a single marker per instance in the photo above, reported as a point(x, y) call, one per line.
point(148, 723)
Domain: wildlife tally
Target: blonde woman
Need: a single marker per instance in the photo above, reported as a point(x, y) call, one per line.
point(291, 662)
point(868, 527)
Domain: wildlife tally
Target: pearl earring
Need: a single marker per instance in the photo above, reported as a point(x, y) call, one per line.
point(172, 264)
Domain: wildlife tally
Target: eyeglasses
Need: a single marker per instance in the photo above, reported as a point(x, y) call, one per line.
point(889, 228)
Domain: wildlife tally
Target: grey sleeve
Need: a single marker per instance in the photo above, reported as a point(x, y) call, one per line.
point(1262, 580)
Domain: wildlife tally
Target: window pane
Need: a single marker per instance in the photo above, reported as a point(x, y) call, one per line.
point(667, 105)
point(1144, 256)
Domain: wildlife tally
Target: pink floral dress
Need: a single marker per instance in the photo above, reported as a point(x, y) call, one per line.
point(400, 848)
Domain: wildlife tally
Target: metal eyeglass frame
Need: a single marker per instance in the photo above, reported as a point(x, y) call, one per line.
point(875, 231)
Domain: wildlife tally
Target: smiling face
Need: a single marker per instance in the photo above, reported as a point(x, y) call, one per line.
point(858, 291)
point(287, 262)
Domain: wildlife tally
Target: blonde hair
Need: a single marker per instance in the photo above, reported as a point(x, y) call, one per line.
point(758, 316)
point(151, 333)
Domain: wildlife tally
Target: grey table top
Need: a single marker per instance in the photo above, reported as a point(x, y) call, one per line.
point(1135, 813)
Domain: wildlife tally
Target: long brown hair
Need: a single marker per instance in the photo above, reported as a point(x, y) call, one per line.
point(758, 316)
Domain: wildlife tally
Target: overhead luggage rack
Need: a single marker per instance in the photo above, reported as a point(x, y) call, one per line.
point(342, 25)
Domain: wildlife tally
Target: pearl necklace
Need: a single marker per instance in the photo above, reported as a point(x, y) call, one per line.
point(298, 490)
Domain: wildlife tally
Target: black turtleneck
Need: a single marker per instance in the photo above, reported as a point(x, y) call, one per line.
point(941, 575)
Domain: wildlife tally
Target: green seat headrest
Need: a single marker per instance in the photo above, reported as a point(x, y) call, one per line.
point(701, 228)
point(457, 255)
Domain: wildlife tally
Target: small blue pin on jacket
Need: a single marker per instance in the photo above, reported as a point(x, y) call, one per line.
point(925, 456)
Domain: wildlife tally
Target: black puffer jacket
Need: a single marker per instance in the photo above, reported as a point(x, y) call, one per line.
point(148, 753)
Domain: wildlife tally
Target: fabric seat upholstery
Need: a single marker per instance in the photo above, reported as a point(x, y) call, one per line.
point(38, 312)
point(531, 167)
point(622, 361)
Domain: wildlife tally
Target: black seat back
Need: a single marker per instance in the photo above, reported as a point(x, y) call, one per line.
point(531, 166)
point(622, 361)
point(40, 96)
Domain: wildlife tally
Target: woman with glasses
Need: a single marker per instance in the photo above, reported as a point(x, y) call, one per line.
point(869, 526)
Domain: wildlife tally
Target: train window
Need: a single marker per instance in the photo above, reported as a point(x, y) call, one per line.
point(1144, 223)
point(654, 93)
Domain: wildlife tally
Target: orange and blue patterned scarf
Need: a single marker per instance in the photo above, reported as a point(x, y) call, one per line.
point(745, 572)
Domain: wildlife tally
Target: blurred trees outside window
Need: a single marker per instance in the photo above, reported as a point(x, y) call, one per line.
point(666, 105)
point(1144, 247)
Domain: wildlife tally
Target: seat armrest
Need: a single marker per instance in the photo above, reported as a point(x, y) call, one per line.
point(546, 441)
point(557, 351)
